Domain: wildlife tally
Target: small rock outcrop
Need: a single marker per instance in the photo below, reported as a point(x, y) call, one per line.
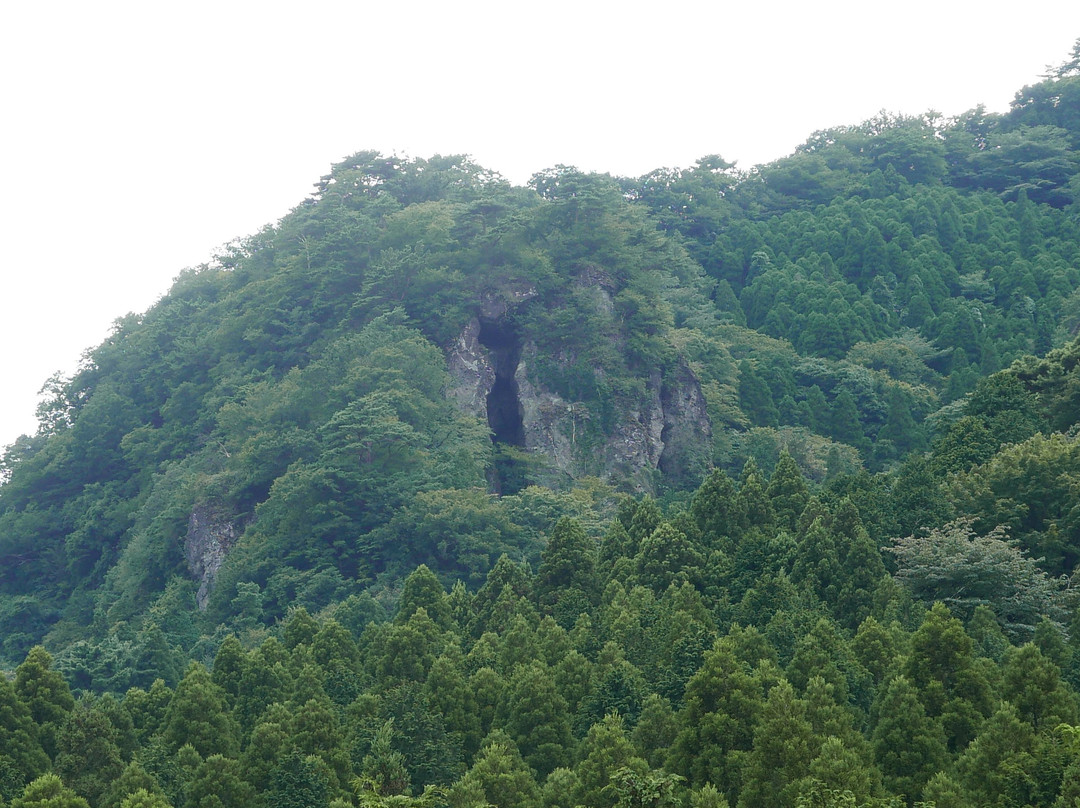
point(209, 537)
point(471, 370)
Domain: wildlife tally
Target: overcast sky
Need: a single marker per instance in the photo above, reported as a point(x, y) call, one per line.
point(137, 137)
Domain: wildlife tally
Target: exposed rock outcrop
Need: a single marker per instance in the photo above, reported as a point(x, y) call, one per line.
point(666, 429)
point(209, 537)
point(471, 365)
point(471, 370)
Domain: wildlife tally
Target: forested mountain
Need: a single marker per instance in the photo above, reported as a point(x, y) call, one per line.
point(709, 487)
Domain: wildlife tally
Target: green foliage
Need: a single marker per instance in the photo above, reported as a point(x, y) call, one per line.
point(286, 465)
point(197, 715)
point(963, 570)
point(48, 791)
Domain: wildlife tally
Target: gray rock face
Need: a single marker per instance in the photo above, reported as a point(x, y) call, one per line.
point(667, 430)
point(472, 372)
point(471, 365)
point(549, 420)
point(687, 432)
point(206, 544)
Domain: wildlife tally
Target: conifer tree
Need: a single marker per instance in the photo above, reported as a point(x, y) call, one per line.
point(218, 784)
point(48, 791)
point(384, 766)
point(950, 686)
point(840, 770)
point(333, 647)
point(605, 750)
point(784, 745)
point(500, 776)
point(655, 730)
point(261, 684)
point(567, 564)
point(909, 746)
point(755, 398)
point(754, 507)
point(133, 778)
point(1032, 684)
point(788, 492)
point(88, 758)
point(714, 508)
point(432, 756)
point(450, 695)
point(667, 557)
point(198, 716)
point(537, 719)
point(300, 628)
point(716, 724)
point(314, 731)
point(998, 767)
point(267, 745)
point(422, 589)
point(229, 664)
point(19, 734)
point(145, 798)
point(646, 517)
point(560, 789)
point(298, 782)
point(46, 693)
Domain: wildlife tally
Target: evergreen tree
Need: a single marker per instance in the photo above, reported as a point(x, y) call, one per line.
point(667, 557)
point(605, 750)
point(48, 791)
point(950, 687)
point(998, 767)
point(432, 755)
point(229, 664)
point(46, 693)
point(1032, 684)
point(537, 719)
point(714, 509)
point(909, 746)
point(132, 779)
point(198, 716)
point(298, 782)
point(721, 708)
point(144, 798)
point(499, 777)
point(384, 766)
point(88, 757)
point(843, 421)
point(567, 564)
point(300, 628)
point(450, 696)
point(755, 399)
point(788, 492)
point(784, 745)
point(218, 784)
point(423, 590)
point(19, 734)
point(655, 730)
point(754, 507)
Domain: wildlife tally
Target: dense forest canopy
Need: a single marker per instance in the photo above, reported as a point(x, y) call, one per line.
point(710, 487)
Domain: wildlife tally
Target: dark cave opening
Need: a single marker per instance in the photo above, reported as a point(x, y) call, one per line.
point(504, 408)
point(503, 404)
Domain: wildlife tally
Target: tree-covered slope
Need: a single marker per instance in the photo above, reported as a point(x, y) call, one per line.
point(705, 488)
point(311, 415)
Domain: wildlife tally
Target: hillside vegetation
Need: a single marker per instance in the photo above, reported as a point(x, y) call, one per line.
point(709, 487)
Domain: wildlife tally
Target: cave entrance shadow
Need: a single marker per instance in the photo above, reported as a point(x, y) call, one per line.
point(504, 411)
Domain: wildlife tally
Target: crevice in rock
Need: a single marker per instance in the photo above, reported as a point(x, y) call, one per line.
point(504, 410)
point(503, 404)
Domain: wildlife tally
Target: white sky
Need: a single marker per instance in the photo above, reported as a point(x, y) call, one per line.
point(138, 137)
